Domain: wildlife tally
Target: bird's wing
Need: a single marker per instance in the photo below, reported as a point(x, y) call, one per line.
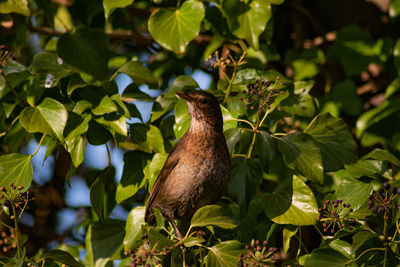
point(169, 165)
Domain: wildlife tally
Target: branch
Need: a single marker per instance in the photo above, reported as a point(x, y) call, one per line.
point(138, 39)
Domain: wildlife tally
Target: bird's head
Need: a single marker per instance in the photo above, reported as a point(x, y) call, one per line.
point(203, 109)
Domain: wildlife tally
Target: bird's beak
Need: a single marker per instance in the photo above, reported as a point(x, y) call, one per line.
point(184, 95)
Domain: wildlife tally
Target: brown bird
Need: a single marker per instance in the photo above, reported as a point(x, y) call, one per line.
point(197, 170)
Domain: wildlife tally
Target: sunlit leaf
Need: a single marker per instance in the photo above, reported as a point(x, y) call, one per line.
point(293, 203)
point(212, 215)
point(16, 168)
point(111, 5)
point(133, 228)
point(139, 73)
point(174, 29)
point(50, 117)
point(224, 254)
point(17, 6)
point(62, 257)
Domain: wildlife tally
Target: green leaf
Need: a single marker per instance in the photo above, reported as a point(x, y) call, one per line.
point(110, 5)
point(394, 9)
point(344, 95)
point(369, 167)
point(139, 73)
point(147, 138)
point(153, 168)
point(50, 117)
point(246, 176)
point(265, 147)
point(292, 203)
point(17, 6)
point(16, 168)
point(133, 228)
point(87, 50)
point(182, 118)
point(105, 106)
point(360, 238)
point(288, 233)
point(62, 257)
point(224, 254)
point(104, 240)
point(326, 257)
point(232, 136)
point(342, 247)
point(304, 69)
point(132, 175)
point(393, 87)
point(174, 29)
point(247, 21)
point(181, 83)
point(300, 103)
point(384, 155)
point(302, 153)
point(74, 140)
point(212, 215)
point(102, 194)
point(193, 241)
point(336, 143)
point(49, 69)
point(117, 124)
point(346, 189)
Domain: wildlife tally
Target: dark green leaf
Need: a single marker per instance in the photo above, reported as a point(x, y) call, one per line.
point(302, 153)
point(49, 69)
point(87, 50)
point(132, 175)
point(246, 176)
point(300, 103)
point(247, 21)
point(62, 257)
point(288, 233)
point(212, 215)
point(16, 168)
point(50, 117)
point(174, 29)
point(147, 138)
point(103, 240)
point(384, 155)
point(181, 83)
point(102, 194)
point(326, 257)
point(292, 203)
point(133, 228)
point(342, 247)
point(336, 143)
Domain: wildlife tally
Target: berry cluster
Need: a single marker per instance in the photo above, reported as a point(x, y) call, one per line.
point(13, 196)
point(261, 93)
point(258, 255)
point(8, 241)
point(147, 255)
point(222, 62)
point(382, 202)
point(4, 57)
point(335, 215)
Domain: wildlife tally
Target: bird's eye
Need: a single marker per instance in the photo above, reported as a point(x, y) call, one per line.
point(204, 101)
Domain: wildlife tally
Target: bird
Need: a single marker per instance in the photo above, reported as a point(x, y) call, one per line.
point(197, 170)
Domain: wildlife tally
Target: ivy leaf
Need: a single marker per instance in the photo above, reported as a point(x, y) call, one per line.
point(300, 103)
point(246, 177)
point(292, 203)
point(87, 50)
point(132, 175)
point(336, 143)
point(193, 241)
point(153, 168)
point(62, 257)
point(104, 240)
point(49, 69)
point(247, 21)
point(16, 168)
point(111, 5)
point(17, 6)
point(74, 140)
point(139, 73)
point(147, 138)
point(288, 232)
point(326, 257)
point(224, 254)
point(102, 196)
point(50, 117)
point(105, 106)
point(133, 228)
point(182, 118)
point(302, 153)
point(174, 29)
point(212, 215)
point(346, 189)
